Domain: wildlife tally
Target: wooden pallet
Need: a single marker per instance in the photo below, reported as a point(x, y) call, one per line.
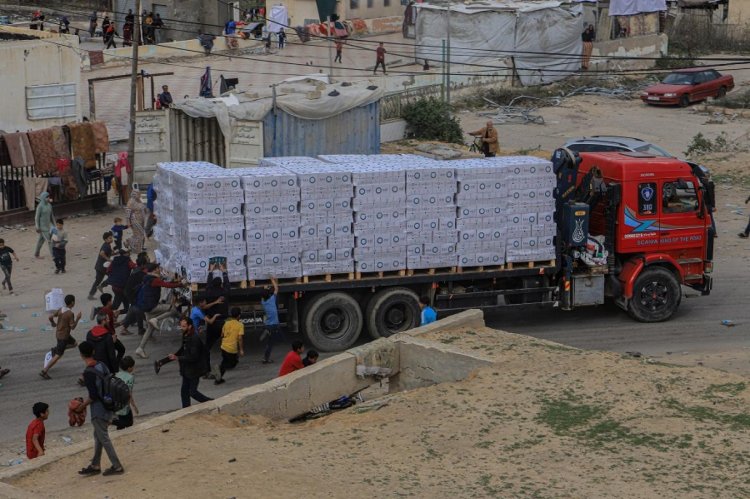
point(480, 268)
point(529, 265)
point(201, 287)
point(345, 276)
point(380, 274)
point(432, 271)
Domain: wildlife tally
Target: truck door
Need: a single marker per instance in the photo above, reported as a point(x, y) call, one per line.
point(682, 229)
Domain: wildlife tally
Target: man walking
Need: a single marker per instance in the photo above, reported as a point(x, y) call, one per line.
point(101, 417)
point(746, 233)
point(379, 58)
point(339, 50)
point(272, 332)
point(43, 221)
point(6, 264)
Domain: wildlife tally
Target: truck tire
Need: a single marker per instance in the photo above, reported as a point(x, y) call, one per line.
point(656, 295)
point(332, 321)
point(391, 311)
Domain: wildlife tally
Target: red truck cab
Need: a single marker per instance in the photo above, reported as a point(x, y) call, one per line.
point(658, 228)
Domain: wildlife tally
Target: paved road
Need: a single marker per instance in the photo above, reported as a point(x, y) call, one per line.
point(696, 327)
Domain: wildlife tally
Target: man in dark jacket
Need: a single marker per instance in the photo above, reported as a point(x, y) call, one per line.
point(118, 273)
point(135, 279)
point(216, 288)
point(103, 341)
point(192, 359)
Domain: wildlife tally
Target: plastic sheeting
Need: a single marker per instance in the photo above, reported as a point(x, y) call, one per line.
point(632, 7)
point(291, 98)
point(543, 38)
point(278, 19)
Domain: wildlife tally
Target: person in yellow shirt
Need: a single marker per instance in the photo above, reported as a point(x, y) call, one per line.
point(231, 343)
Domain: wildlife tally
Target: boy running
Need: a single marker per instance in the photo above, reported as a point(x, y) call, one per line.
point(231, 343)
point(66, 323)
point(6, 264)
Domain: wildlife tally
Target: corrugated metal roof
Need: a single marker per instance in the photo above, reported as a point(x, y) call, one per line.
point(356, 131)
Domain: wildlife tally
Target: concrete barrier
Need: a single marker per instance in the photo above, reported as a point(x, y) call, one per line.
point(413, 362)
point(184, 48)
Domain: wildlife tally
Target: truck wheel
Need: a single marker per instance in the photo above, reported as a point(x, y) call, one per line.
point(656, 295)
point(332, 321)
point(392, 311)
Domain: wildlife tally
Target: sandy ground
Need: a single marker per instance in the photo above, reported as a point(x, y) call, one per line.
point(592, 425)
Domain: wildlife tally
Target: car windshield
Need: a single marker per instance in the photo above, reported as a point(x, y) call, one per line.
point(653, 150)
point(679, 79)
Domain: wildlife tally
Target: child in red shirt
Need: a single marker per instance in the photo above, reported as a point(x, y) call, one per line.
point(36, 431)
point(293, 360)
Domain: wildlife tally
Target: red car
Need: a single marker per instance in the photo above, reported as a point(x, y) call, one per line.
point(688, 85)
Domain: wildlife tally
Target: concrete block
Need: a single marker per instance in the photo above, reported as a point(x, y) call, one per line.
point(426, 363)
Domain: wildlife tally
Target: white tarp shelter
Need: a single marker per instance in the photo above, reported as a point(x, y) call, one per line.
point(543, 38)
point(633, 7)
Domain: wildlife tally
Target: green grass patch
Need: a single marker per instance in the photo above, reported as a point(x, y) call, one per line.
point(730, 389)
point(700, 413)
point(563, 415)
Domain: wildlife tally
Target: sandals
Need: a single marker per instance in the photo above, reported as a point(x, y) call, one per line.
point(113, 471)
point(3, 372)
point(90, 470)
point(44, 375)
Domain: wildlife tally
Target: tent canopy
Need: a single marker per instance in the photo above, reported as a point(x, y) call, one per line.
point(543, 38)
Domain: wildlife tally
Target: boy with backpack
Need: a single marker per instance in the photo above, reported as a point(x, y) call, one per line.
point(124, 417)
point(97, 379)
point(231, 343)
point(147, 300)
point(66, 323)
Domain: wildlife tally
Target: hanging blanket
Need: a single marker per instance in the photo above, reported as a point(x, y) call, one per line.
point(19, 150)
point(61, 142)
point(4, 154)
point(82, 142)
point(101, 136)
point(43, 147)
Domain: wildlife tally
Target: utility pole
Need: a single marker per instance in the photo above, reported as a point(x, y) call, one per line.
point(133, 85)
point(448, 62)
point(330, 51)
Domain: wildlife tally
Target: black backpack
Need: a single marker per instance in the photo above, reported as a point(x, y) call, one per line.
point(114, 393)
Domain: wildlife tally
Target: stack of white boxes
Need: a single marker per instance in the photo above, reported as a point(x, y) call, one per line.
point(431, 213)
point(272, 222)
point(205, 221)
point(325, 214)
point(530, 211)
point(482, 201)
point(379, 210)
point(297, 216)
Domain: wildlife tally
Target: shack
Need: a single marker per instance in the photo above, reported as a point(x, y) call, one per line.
point(306, 117)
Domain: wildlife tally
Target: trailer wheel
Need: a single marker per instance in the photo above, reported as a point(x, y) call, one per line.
point(332, 321)
point(656, 295)
point(391, 311)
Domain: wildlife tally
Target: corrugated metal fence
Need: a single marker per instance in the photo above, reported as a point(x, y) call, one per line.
point(356, 131)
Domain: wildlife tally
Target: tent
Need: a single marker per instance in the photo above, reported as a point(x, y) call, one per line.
point(543, 38)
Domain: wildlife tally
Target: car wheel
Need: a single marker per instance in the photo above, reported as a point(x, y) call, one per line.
point(684, 100)
point(721, 93)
